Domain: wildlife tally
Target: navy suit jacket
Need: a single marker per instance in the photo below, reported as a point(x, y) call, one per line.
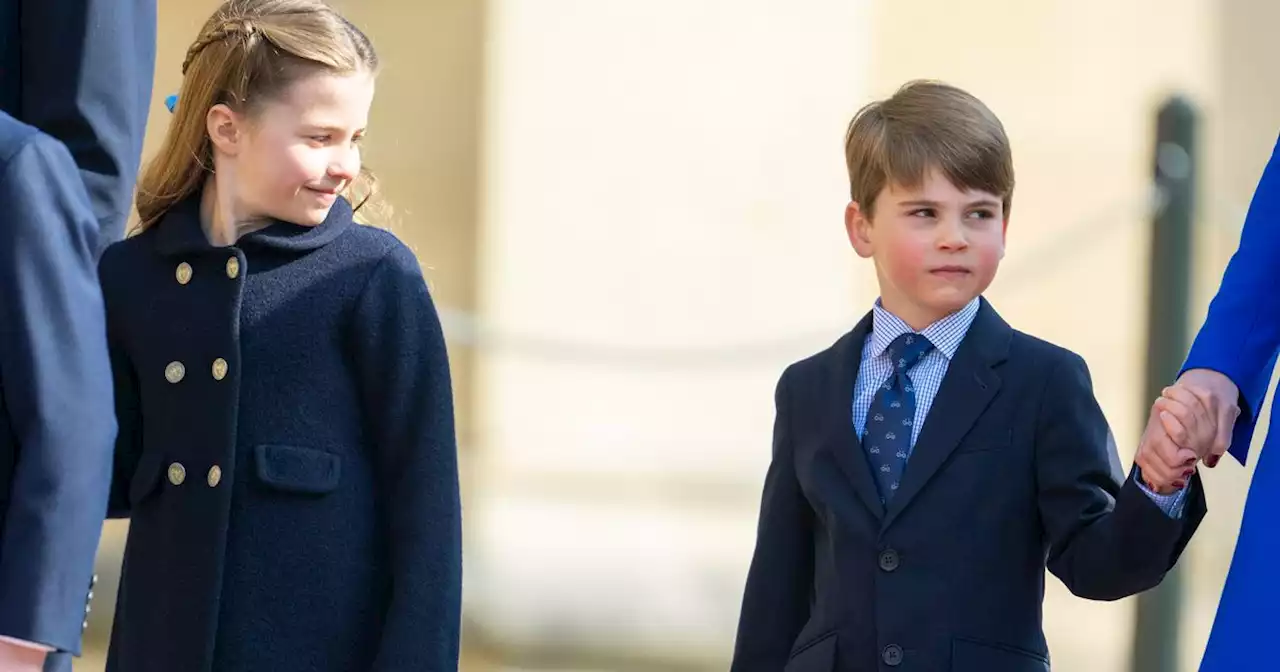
point(57, 421)
point(82, 71)
point(1013, 470)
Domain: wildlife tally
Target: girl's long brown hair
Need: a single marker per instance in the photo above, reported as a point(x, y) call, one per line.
point(248, 52)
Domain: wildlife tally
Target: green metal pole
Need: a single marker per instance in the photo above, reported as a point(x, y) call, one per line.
point(1155, 647)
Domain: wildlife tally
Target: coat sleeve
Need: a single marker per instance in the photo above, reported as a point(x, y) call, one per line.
point(56, 381)
point(128, 406)
point(86, 71)
point(775, 603)
point(408, 402)
point(1241, 333)
point(1107, 539)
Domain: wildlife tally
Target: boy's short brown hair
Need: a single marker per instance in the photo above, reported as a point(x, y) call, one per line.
point(927, 124)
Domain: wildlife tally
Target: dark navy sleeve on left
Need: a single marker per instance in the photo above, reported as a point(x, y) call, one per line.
point(57, 393)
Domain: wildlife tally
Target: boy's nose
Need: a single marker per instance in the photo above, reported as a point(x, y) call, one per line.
point(952, 236)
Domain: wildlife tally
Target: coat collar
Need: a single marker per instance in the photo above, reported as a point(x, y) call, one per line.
point(179, 231)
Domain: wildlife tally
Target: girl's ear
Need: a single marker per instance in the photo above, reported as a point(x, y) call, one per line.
point(225, 128)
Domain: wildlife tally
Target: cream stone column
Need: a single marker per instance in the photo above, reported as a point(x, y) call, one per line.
point(662, 233)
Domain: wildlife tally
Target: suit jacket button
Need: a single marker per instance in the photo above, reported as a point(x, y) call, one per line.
point(889, 560)
point(219, 368)
point(175, 372)
point(183, 274)
point(215, 476)
point(177, 473)
point(233, 268)
point(892, 655)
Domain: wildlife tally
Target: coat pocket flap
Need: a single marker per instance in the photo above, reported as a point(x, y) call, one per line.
point(818, 655)
point(301, 470)
point(972, 654)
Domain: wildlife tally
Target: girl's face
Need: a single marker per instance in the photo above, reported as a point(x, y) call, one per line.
point(295, 154)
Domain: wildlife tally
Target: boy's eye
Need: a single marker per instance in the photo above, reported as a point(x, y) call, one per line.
point(318, 138)
point(982, 214)
point(922, 212)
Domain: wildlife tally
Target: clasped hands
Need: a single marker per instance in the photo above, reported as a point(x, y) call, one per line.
point(1191, 422)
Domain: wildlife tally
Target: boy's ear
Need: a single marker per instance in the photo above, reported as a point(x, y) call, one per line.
point(856, 224)
point(1004, 235)
point(223, 126)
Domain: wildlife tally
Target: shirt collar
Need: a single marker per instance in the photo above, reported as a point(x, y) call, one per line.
point(946, 334)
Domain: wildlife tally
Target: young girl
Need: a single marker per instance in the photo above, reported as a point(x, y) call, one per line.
point(286, 453)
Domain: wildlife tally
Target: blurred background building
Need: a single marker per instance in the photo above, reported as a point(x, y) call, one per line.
point(629, 212)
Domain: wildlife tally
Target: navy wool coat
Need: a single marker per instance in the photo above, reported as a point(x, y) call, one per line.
point(286, 455)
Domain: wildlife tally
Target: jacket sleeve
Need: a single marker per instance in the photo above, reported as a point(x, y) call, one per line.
point(57, 389)
point(1107, 539)
point(87, 68)
point(776, 601)
point(1241, 333)
point(405, 382)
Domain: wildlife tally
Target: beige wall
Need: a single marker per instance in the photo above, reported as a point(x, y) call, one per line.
point(661, 178)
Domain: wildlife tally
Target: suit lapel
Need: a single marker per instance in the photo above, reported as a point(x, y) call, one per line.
point(841, 439)
point(968, 388)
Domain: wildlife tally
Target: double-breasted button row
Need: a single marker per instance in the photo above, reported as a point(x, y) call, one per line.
point(176, 371)
point(178, 475)
point(184, 271)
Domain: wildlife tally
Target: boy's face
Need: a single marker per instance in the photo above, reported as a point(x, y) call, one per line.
point(935, 246)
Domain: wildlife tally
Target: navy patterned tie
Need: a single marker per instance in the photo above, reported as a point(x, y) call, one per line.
point(891, 418)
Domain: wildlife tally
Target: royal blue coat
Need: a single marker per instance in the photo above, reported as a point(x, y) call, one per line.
point(1240, 338)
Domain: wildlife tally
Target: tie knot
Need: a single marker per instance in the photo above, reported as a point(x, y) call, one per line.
point(907, 350)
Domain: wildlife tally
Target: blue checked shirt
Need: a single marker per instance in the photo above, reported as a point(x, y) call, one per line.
point(946, 335)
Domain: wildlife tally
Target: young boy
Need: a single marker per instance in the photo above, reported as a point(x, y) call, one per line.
point(929, 465)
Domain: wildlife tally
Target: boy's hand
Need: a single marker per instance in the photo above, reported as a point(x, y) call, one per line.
point(1178, 432)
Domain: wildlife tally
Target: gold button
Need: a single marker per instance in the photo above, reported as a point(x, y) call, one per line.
point(219, 368)
point(183, 273)
point(175, 372)
point(215, 476)
point(233, 268)
point(177, 473)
